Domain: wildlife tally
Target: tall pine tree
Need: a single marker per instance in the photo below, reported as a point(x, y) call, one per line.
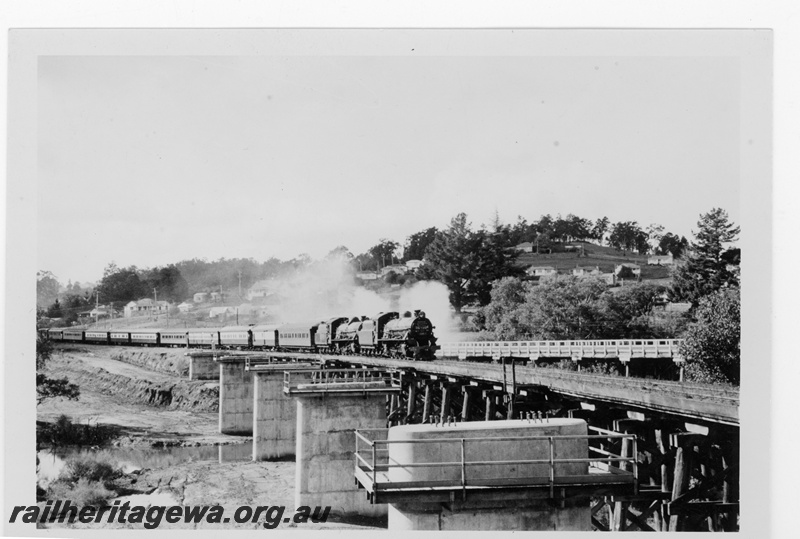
point(707, 267)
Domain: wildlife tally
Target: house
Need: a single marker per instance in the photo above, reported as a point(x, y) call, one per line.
point(413, 264)
point(221, 312)
point(660, 260)
point(367, 275)
point(101, 311)
point(399, 269)
point(526, 247)
point(146, 307)
point(586, 271)
point(262, 289)
point(541, 271)
point(200, 297)
point(216, 297)
point(185, 307)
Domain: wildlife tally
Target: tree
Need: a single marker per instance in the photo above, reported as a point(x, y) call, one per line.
point(120, 286)
point(712, 344)
point(565, 308)
point(417, 243)
point(46, 387)
point(654, 234)
point(46, 288)
point(496, 257)
point(627, 311)
point(340, 253)
point(600, 228)
point(169, 283)
point(568, 307)
point(708, 267)
point(384, 251)
point(670, 244)
point(628, 235)
point(452, 258)
point(503, 314)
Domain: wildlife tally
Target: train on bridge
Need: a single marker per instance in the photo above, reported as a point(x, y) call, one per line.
point(407, 335)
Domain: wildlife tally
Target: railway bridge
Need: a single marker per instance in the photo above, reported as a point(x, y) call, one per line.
point(661, 455)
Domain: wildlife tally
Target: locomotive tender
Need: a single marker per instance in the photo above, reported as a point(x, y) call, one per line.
point(389, 334)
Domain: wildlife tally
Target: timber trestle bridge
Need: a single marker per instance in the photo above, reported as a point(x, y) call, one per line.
point(673, 446)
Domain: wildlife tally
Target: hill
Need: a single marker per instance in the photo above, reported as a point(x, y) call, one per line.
point(590, 254)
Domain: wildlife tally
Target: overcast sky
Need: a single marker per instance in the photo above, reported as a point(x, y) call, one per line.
point(157, 159)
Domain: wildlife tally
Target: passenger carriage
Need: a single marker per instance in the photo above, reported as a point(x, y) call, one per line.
point(203, 337)
point(236, 337)
point(297, 336)
point(265, 336)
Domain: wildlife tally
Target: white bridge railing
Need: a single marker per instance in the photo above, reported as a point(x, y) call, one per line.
point(624, 349)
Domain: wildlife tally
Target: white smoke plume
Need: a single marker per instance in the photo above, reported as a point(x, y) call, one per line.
point(328, 289)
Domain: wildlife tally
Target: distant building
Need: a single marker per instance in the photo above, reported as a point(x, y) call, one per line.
point(262, 289)
point(414, 264)
point(526, 247)
point(367, 275)
point(541, 271)
point(216, 297)
point(146, 307)
point(200, 297)
point(101, 311)
point(220, 312)
point(660, 260)
point(586, 271)
point(185, 307)
point(399, 269)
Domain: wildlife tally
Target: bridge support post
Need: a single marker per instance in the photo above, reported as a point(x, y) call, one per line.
point(274, 421)
point(326, 425)
point(446, 393)
point(428, 406)
point(465, 404)
point(684, 444)
point(235, 398)
point(411, 408)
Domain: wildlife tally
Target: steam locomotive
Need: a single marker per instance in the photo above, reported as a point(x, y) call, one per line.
point(407, 335)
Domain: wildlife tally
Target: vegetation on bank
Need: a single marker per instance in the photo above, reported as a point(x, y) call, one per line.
point(64, 432)
point(85, 480)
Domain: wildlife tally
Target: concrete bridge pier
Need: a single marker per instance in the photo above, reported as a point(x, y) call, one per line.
point(326, 425)
point(331, 405)
point(235, 397)
point(202, 366)
point(274, 417)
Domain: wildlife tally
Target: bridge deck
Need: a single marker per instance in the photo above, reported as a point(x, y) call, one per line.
point(686, 400)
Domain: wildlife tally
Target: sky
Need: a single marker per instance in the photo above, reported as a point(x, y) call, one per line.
point(157, 159)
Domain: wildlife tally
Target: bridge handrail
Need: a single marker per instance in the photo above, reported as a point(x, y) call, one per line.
point(371, 466)
point(296, 380)
point(567, 348)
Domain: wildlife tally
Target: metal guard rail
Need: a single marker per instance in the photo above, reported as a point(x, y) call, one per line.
point(597, 348)
point(343, 379)
point(463, 464)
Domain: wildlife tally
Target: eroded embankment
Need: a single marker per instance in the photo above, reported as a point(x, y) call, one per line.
point(166, 360)
point(130, 376)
